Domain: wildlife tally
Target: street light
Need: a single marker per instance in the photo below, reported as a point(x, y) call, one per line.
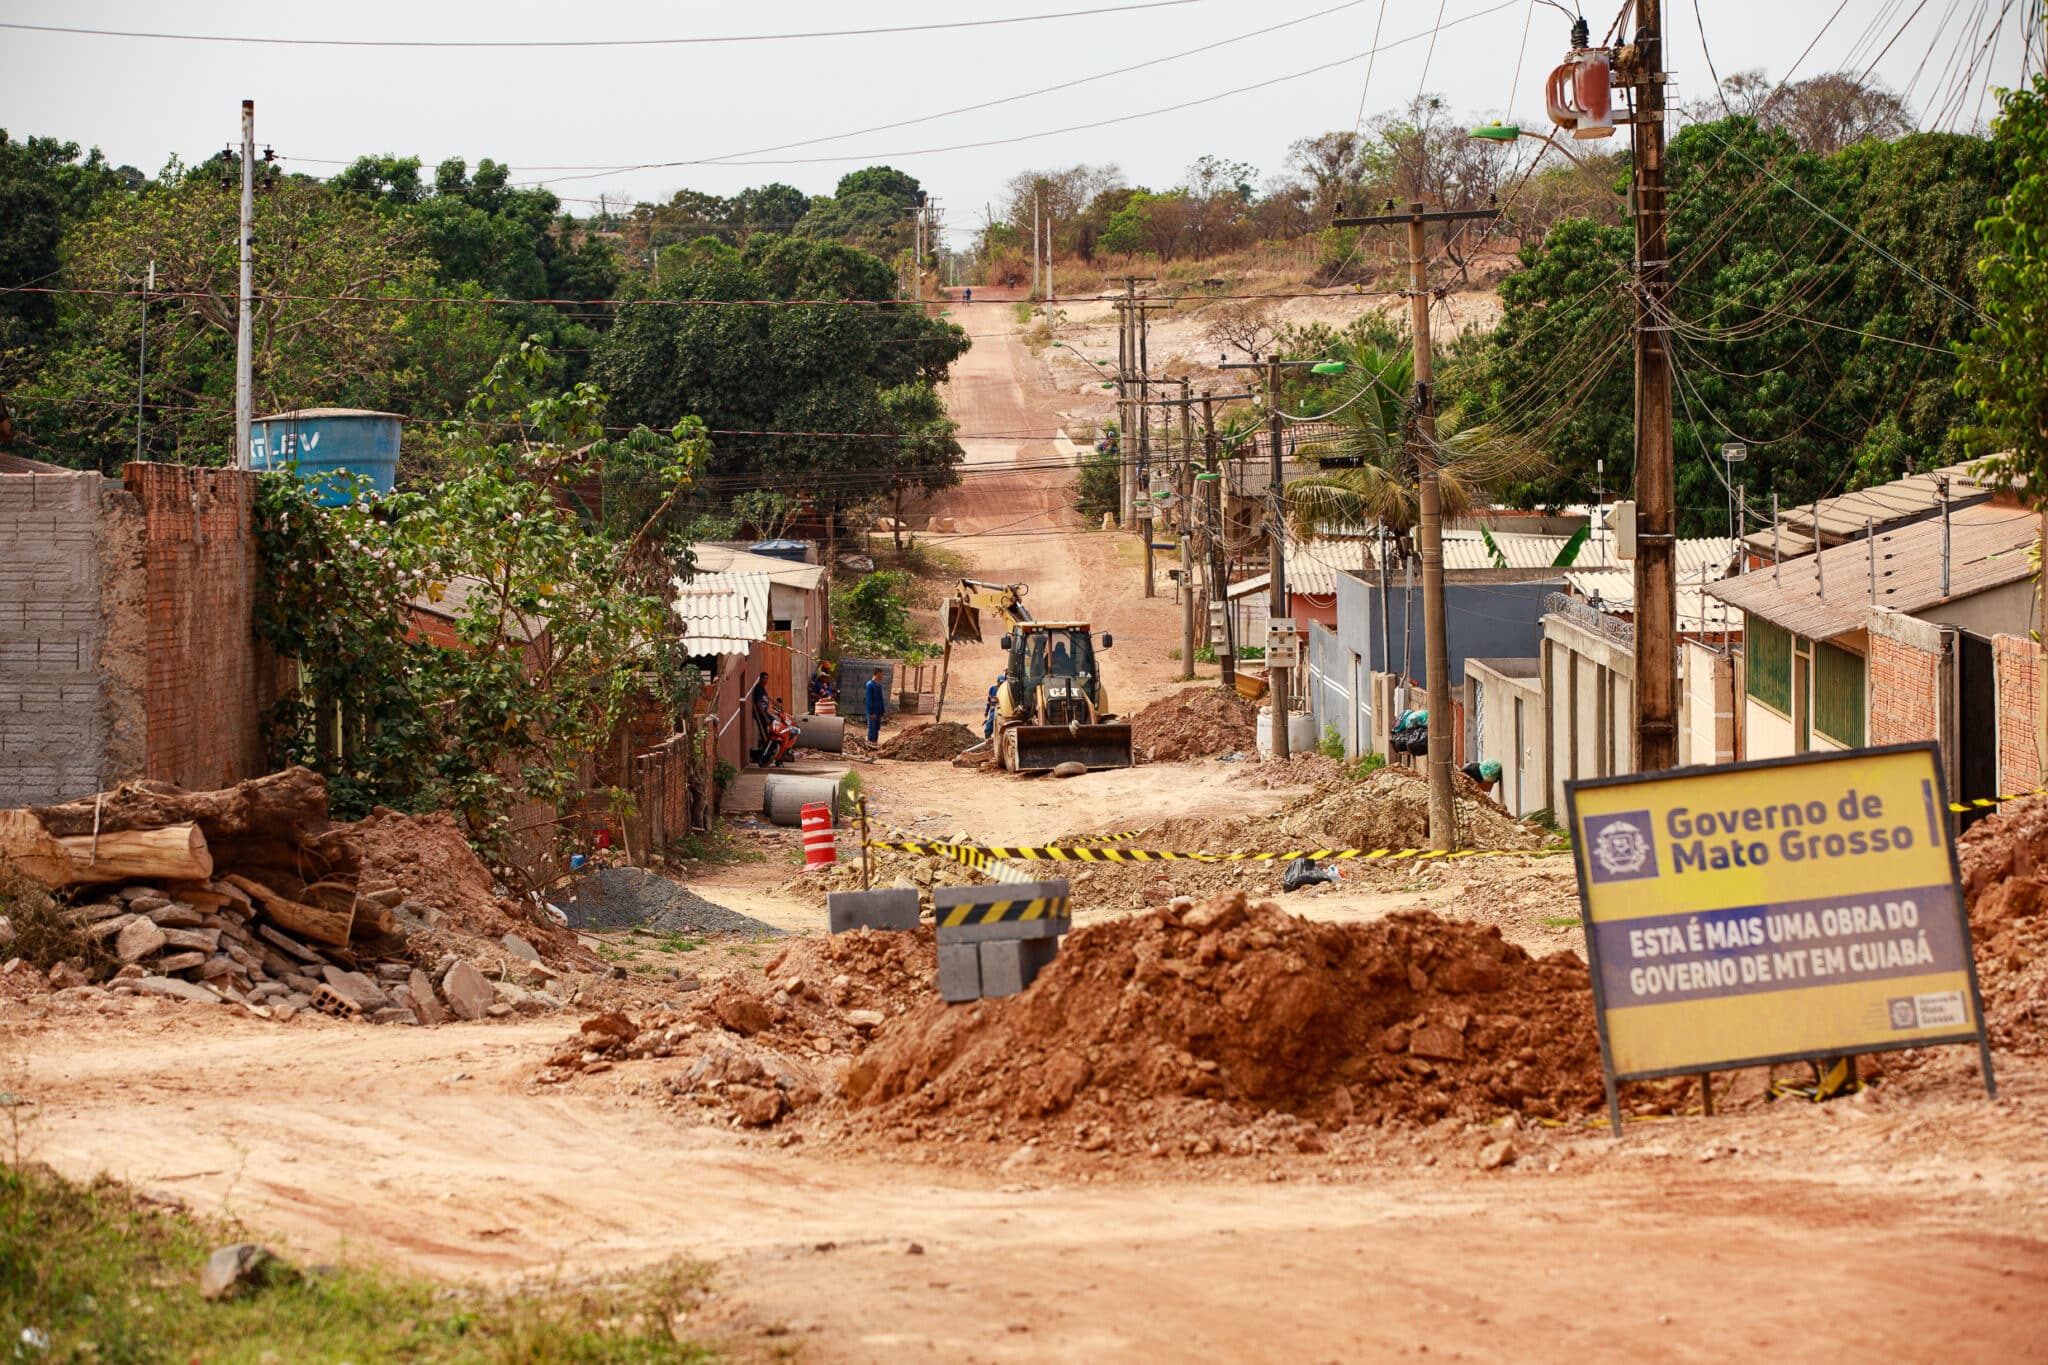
point(1508, 132)
point(1098, 364)
point(1733, 453)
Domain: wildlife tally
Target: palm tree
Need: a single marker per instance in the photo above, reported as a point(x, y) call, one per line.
point(1372, 476)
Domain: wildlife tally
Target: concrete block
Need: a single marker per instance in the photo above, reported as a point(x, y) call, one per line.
point(944, 897)
point(1007, 929)
point(891, 908)
point(1009, 965)
point(959, 973)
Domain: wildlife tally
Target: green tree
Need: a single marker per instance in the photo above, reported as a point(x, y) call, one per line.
point(2005, 361)
point(1814, 298)
point(45, 188)
point(1371, 473)
point(559, 619)
point(811, 393)
point(332, 324)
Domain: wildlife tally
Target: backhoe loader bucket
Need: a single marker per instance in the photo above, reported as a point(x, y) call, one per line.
point(1041, 748)
point(962, 622)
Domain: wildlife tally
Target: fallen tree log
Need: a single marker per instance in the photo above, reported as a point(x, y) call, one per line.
point(331, 927)
point(287, 807)
point(172, 853)
point(32, 850)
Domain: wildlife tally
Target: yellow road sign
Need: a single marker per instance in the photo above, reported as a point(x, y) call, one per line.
point(1774, 911)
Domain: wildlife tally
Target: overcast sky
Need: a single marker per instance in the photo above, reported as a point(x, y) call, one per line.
point(610, 109)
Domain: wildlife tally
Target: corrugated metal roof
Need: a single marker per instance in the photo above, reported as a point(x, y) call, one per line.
point(1702, 557)
point(729, 559)
point(1844, 516)
point(1828, 594)
point(1312, 568)
point(1789, 544)
point(1615, 589)
point(723, 613)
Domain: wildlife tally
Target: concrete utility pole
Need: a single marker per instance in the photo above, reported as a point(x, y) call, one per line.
point(142, 357)
point(1281, 679)
point(245, 323)
point(1443, 811)
point(1656, 585)
point(1051, 290)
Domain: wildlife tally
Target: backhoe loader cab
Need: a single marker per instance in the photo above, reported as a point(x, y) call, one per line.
point(1052, 701)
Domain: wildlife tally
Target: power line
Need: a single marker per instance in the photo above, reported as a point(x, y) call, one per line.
point(598, 42)
point(596, 172)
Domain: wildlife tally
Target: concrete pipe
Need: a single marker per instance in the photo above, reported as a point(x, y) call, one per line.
point(822, 732)
point(786, 795)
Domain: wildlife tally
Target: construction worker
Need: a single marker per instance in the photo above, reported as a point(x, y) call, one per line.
point(764, 719)
point(1062, 661)
point(876, 701)
point(988, 714)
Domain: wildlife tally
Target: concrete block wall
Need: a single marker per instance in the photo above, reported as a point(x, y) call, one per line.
point(210, 680)
point(53, 727)
point(2017, 663)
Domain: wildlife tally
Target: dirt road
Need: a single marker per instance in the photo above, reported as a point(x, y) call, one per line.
point(1909, 1224)
point(1815, 1232)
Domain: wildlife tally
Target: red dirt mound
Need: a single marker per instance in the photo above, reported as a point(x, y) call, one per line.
point(1249, 1008)
point(930, 743)
point(427, 858)
point(1195, 722)
point(758, 1052)
point(2004, 860)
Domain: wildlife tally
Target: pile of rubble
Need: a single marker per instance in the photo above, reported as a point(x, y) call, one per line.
point(752, 1054)
point(2004, 860)
point(205, 897)
point(930, 743)
point(1195, 722)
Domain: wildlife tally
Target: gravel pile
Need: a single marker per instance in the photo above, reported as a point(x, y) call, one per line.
point(629, 897)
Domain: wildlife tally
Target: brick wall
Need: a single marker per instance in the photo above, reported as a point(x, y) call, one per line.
point(1904, 692)
point(210, 682)
point(53, 726)
point(2017, 663)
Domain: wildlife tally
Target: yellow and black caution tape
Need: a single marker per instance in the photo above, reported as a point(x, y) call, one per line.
point(1121, 837)
point(967, 855)
point(1829, 1084)
point(1003, 912)
point(1065, 852)
point(1990, 802)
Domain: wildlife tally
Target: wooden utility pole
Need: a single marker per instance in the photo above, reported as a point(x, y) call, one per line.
point(1034, 245)
point(1184, 487)
point(1443, 811)
point(1129, 309)
point(1656, 583)
point(1219, 586)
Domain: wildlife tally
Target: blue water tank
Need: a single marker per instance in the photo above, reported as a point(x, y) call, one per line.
point(795, 551)
point(324, 442)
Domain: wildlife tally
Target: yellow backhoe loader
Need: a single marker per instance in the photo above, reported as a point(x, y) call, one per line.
point(1051, 706)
